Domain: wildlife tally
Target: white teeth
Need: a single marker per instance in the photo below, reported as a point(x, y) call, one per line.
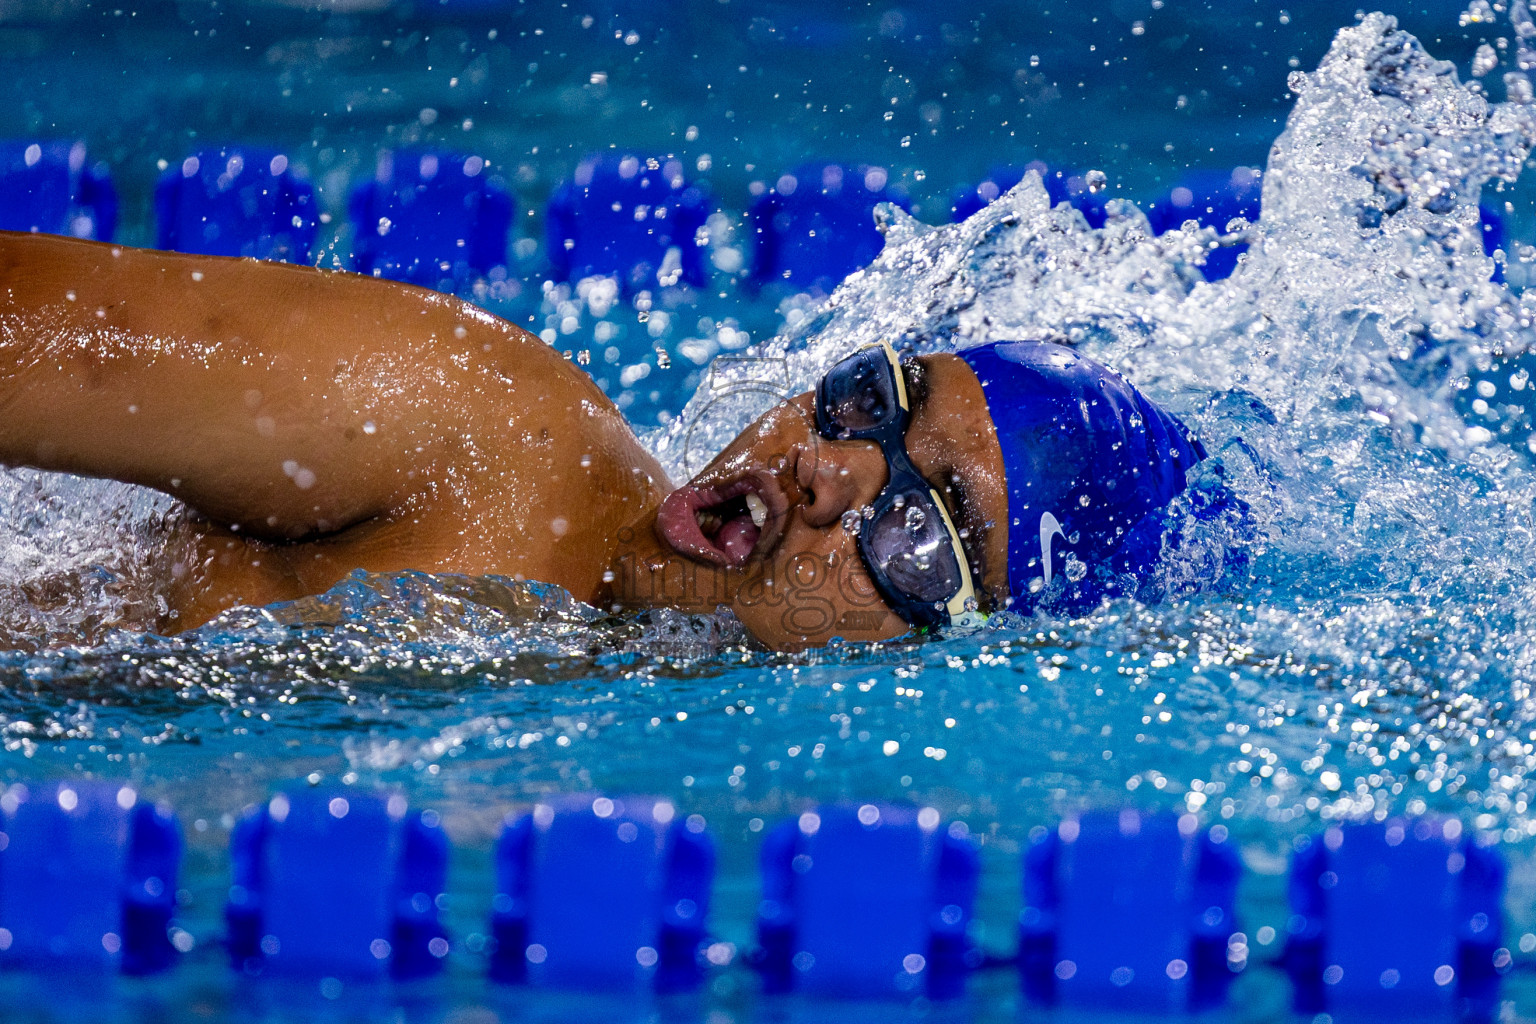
point(759, 510)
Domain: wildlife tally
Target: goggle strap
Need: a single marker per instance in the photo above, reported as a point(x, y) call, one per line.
point(901, 378)
point(967, 592)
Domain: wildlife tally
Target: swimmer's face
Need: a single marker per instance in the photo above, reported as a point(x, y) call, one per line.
point(797, 580)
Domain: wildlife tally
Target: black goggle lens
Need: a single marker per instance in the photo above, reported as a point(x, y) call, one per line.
point(906, 543)
point(857, 395)
point(907, 539)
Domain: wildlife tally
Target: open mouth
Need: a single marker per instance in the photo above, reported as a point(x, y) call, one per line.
point(722, 525)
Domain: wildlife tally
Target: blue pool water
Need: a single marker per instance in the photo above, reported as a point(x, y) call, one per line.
point(1361, 382)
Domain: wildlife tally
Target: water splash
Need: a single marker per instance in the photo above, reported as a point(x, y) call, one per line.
point(80, 558)
point(1370, 216)
point(1377, 654)
point(1395, 535)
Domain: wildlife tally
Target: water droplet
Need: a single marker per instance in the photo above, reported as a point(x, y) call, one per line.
point(643, 316)
point(1478, 12)
point(852, 522)
point(915, 519)
point(1097, 181)
point(1484, 60)
point(584, 356)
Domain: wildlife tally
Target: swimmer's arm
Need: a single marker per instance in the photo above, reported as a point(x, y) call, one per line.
point(285, 401)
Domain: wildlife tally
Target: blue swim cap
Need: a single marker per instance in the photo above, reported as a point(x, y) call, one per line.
point(1090, 464)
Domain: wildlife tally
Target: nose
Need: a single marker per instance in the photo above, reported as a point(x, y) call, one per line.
point(836, 476)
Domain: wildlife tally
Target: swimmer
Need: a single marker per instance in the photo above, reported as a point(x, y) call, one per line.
point(317, 422)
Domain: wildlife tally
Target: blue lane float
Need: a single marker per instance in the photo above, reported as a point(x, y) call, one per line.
point(51, 187)
point(872, 900)
point(337, 884)
point(1131, 911)
point(637, 219)
point(816, 225)
point(1403, 915)
point(236, 201)
point(1220, 200)
point(600, 891)
point(87, 879)
point(439, 220)
point(1124, 910)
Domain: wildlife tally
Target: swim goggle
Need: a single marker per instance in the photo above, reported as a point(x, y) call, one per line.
point(906, 538)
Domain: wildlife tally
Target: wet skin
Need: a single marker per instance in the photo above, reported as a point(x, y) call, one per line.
point(317, 422)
